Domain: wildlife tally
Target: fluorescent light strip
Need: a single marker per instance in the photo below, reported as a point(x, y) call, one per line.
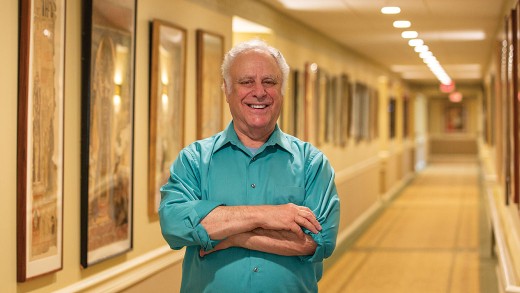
point(409, 34)
point(390, 10)
point(402, 24)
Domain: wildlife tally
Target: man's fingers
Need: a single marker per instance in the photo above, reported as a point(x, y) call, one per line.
point(311, 219)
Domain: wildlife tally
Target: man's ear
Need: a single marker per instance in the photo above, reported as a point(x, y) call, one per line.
point(224, 89)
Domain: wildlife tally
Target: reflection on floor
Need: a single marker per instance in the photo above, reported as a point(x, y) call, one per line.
point(426, 240)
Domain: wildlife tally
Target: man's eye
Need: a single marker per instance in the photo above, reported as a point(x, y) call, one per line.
point(269, 82)
point(245, 82)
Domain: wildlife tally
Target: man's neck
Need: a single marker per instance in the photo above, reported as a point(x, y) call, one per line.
point(252, 139)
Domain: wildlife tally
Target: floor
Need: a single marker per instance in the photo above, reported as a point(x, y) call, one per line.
point(426, 240)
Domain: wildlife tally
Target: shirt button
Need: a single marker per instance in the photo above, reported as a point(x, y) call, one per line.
point(253, 185)
point(253, 159)
point(255, 269)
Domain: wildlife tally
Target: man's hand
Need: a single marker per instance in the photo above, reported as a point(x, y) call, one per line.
point(289, 217)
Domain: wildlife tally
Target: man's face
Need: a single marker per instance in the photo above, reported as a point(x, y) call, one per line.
point(255, 98)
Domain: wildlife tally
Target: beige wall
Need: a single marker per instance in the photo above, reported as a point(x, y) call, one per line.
point(359, 190)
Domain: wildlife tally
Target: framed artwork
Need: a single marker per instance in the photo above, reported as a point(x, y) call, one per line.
point(40, 139)
point(331, 115)
point(374, 113)
point(312, 103)
point(323, 97)
point(108, 58)
point(299, 104)
point(392, 117)
point(345, 98)
point(210, 110)
point(406, 114)
point(454, 118)
point(167, 98)
point(515, 99)
point(286, 120)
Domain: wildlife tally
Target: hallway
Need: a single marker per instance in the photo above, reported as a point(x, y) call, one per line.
point(426, 240)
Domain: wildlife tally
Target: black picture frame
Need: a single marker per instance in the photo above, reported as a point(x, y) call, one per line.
point(107, 127)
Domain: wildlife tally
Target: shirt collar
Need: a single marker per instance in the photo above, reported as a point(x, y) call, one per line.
point(229, 136)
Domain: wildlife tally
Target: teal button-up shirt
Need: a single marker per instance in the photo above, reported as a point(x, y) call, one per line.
point(220, 170)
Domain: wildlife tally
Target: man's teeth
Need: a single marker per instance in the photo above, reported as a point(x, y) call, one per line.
point(257, 106)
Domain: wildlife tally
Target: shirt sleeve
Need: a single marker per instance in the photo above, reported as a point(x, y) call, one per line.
point(322, 198)
point(182, 209)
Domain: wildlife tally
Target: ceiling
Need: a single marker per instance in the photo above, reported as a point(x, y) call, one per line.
point(461, 34)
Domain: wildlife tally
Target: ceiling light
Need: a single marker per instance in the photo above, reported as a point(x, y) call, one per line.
point(390, 10)
point(421, 48)
point(426, 54)
point(242, 25)
point(314, 5)
point(409, 34)
point(402, 24)
point(415, 42)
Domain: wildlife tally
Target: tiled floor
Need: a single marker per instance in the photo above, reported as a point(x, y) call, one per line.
point(426, 240)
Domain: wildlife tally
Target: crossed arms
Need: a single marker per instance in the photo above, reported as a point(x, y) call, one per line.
point(274, 229)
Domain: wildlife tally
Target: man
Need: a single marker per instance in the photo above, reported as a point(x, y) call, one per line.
point(257, 209)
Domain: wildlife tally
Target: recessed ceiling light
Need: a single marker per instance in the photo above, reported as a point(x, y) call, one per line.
point(409, 34)
point(402, 24)
point(415, 42)
point(390, 10)
point(421, 48)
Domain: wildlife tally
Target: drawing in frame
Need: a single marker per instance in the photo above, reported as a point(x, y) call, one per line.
point(287, 115)
point(167, 98)
point(210, 97)
point(40, 139)
point(454, 118)
point(108, 58)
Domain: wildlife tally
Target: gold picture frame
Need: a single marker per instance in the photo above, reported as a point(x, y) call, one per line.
point(210, 97)
point(167, 98)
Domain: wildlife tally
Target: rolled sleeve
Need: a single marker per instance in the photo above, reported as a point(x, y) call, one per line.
point(181, 210)
point(323, 200)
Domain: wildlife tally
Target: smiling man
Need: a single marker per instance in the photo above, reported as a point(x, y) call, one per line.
point(256, 209)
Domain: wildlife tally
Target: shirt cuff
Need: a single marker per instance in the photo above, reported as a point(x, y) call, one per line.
point(202, 209)
point(319, 253)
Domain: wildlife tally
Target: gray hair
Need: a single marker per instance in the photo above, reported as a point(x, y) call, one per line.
point(257, 45)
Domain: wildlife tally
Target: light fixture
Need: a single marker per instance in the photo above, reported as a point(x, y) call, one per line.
point(425, 54)
point(415, 42)
point(390, 10)
point(409, 34)
point(421, 48)
point(402, 24)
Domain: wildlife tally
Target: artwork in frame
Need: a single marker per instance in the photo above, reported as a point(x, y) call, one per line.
point(167, 98)
point(210, 97)
point(392, 108)
point(345, 96)
point(108, 58)
point(454, 118)
point(287, 115)
point(299, 103)
point(40, 138)
point(312, 103)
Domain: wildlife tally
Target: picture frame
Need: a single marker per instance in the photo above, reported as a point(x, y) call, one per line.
point(40, 155)
point(210, 96)
point(392, 108)
point(299, 104)
point(454, 118)
point(312, 103)
point(107, 127)
point(345, 97)
point(288, 113)
point(167, 100)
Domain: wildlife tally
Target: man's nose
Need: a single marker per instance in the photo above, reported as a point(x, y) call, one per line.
point(259, 90)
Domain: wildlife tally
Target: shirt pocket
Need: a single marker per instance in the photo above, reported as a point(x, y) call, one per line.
point(289, 194)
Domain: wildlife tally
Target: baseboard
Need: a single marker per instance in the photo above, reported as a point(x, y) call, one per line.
point(128, 273)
